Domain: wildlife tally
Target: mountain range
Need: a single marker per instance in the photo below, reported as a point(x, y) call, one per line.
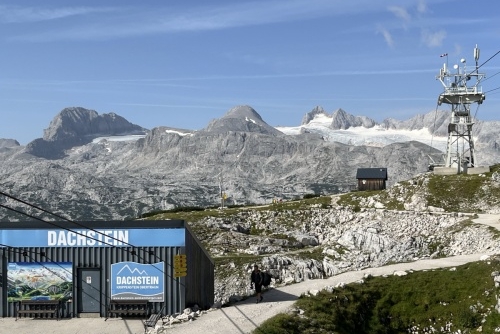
point(94, 167)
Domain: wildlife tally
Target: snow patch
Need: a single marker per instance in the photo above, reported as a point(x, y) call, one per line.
point(118, 138)
point(321, 120)
point(179, 132)
point(250, 120)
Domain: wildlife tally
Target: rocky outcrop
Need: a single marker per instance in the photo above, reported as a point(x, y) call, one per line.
point(414, 195)
point(8, 143)
point(436, 122)
point(79, 123)
point(346, 241)
point(312, 114)
point(487, 134)
point(342, 121)
point(78, 126)
point(242, 119)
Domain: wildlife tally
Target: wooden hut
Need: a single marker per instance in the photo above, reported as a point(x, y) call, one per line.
point(371, 178)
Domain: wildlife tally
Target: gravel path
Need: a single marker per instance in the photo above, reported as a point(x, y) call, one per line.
point(243, 317)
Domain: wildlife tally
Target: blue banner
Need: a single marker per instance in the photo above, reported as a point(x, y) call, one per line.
point(132, 280)
point(166, 237)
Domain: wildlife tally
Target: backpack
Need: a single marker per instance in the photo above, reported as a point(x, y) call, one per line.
point(266, 278)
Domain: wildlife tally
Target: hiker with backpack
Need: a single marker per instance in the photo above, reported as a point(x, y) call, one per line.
point(257, 280)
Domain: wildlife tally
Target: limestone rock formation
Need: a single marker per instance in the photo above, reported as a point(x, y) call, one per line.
point(78, 126)
point(8, 143)
point(68, 171)
point(242, 119)
point(343, 120)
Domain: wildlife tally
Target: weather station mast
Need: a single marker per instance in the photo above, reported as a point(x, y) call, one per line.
point(461, 90)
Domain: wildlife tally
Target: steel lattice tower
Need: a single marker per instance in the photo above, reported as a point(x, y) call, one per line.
point(461, 90)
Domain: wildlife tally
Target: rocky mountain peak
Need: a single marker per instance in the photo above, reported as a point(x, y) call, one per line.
point(318, 110)
point(241, 118)
point(77, 126)
point(243, 111)
point(77, 122)
point(8, 143)
point(342, 121)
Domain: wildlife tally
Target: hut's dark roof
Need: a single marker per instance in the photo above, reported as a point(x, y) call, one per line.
point(372, 173)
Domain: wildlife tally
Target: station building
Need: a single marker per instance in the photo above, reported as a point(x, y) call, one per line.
point(86, 265)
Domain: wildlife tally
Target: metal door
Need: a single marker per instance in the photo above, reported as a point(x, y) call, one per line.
point(89, 290)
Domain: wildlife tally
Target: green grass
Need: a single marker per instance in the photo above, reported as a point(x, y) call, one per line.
point(191, 216)
point(315, 253)
point(460, 193)
point(353, 199)
point(495, 232)
point(453, 193)
point(194, 214)
point(393, 304)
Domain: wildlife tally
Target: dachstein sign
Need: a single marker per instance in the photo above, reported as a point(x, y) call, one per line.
point(131, 280)
point(167, 237)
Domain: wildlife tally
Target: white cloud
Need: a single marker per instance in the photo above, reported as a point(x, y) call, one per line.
point(400, 12)
point(433, 39)
point(163, 19)
point(17, 14)
point(387, 36)
point(421, 6)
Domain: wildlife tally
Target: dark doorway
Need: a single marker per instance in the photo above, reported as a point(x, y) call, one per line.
point(89, 290)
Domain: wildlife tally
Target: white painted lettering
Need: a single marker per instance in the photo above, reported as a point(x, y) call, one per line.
point(107, 239)
point(71, 238)
point(123, 237)
point(81, 239)
point(137, 280)
point(61, 239)
point(51, 238)
point(90, 238)
point(87, 238)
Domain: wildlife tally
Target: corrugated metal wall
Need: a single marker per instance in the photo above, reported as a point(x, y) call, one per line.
point(200, 288)
point(101, 258)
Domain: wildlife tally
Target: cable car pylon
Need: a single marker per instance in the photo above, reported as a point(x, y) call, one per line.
point(461, 90)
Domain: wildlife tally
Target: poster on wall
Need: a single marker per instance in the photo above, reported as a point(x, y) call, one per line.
point(39, 280)
point(132, 280)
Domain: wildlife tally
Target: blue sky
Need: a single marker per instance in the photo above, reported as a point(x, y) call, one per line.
point(184, 63)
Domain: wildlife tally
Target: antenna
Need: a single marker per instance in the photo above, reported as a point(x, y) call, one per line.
point(476, 55)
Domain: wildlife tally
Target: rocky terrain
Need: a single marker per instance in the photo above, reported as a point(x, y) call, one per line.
point(84, 176)
point(91, 167)
point(322, 237)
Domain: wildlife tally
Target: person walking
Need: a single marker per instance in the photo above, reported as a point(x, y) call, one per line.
point(256, 279)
